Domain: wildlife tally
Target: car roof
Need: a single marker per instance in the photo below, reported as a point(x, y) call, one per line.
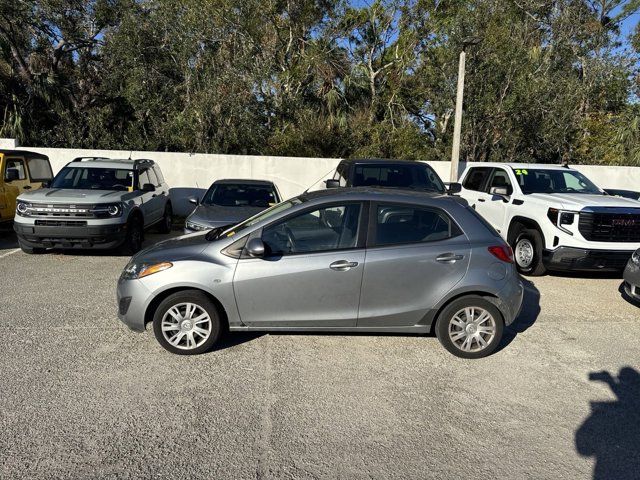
point(382, 194)
point(521, 166)
point(380, 161)
point(244, 181)
point(27, 153)
point(103, 162)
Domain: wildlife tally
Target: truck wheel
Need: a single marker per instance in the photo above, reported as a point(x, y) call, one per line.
point(134, 237)
point(527, 252)
point(187, 323)
point(470, 327)
point(167, 220)
point(30, 250)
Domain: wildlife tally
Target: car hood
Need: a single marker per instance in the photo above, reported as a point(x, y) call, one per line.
point(577, 201)
point(174, 249)
point(214, 215)
point(59, 195)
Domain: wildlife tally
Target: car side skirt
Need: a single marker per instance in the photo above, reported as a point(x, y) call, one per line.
point(395, 329)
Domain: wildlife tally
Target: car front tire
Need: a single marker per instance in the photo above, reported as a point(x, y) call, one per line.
point(470, 327)
point(134, 237)
point(187, 323)
point(527, 253)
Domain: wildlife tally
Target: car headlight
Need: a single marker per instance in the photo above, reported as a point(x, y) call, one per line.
point(635, 258)
point(22, 209)
point(108, 210)
point(562, 217)
point(136, 270)
point(196, 227)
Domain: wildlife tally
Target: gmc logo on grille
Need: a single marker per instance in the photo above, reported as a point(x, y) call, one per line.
point(620, 222)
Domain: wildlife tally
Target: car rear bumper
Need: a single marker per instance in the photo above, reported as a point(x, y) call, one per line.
point(509, 300)
point(57, 236)
point(582, 259)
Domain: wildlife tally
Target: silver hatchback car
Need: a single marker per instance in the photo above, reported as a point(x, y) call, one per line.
point(344, 260)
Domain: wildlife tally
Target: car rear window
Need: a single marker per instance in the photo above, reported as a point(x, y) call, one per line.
point(418, 176)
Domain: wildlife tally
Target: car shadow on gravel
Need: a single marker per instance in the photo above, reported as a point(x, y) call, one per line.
point(528, 314)
point(611, 433)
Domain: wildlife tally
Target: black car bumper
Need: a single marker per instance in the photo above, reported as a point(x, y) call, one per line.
point(580, 259)
point(59, 236)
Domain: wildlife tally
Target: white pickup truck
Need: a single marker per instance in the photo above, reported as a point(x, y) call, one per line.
point(553, 217)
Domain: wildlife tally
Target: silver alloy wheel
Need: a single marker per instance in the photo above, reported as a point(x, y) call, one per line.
point(524, 252)
point(186, 326)
point(472, 329)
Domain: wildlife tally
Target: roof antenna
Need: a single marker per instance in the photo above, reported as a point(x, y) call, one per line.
point(130, 153)
point(333, 169)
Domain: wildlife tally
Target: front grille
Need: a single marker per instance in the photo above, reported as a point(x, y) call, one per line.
point(61, 210)
point(61, 223)
point(610, 226)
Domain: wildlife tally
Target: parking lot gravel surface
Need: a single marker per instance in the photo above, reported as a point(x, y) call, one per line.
point(81, 396)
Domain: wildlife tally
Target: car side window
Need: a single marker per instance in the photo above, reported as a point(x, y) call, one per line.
point(476, 178)
point(500, 179)
point(15, 164)
point(39, 169)
point(323, 229)
point(400, 224)
point(341, 174)
point(143, 178)
point(158, 172)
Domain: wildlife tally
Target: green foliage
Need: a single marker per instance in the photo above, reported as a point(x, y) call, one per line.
point(545, 81)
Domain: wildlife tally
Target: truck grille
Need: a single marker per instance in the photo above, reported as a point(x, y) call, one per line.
point(61, 210)
point(610, 226)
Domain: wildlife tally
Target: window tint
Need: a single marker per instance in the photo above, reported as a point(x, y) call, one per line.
point(397, 224)
point(15, 164)
point(418, 176)
point(500, 179)
point(158, 172)
point(39, 169)
point(476, 178)
point(329, 228)
point(143, 177)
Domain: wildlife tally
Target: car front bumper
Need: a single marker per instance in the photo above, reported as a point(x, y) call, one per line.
point(133, 300)
point(59, 236)
point(632, 280)
point(581, 259)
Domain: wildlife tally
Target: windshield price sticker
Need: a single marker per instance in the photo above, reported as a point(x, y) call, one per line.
point(521, 171)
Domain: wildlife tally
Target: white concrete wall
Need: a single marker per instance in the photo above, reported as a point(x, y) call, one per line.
point(190, 174)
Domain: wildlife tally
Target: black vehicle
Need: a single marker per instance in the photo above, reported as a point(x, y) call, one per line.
point(623, 193)
point(402, 174)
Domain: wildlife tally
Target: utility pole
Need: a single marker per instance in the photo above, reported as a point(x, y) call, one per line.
point(457, 125)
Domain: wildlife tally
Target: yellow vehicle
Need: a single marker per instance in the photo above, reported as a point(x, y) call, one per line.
point(21, 171)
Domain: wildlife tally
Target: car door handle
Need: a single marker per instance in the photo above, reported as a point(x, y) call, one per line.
point(342, 265)
point(27, 187)
point(481, 199)
point(448, 258)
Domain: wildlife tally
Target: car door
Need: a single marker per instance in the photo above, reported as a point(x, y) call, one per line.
point(152, 203)
point(473, 186)
point(15, 187)
point(493, 208)
point(415, 255)
point(311, 273)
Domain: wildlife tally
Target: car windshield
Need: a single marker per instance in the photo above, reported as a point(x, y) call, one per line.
point(554, 181)
point(229, 232)
point(240, 195)
point(91, 178)
point(419, 177)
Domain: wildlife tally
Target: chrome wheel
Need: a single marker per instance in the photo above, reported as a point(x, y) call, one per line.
point(524, 252)
point(472, 329)
point(186, 326)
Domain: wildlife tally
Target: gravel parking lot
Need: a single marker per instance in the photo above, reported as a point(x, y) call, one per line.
point(83, 397)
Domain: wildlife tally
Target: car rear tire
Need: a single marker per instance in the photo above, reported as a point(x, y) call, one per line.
point(134, 237)
point(167, 220)
point(470, 327)
point(30, 250)
point(527, 253)
point(187, 323)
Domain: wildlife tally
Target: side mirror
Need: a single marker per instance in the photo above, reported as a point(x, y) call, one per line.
point(255, 248)
point(500, 191)
point(148, 187)
point(12, 174)
point(46, 184)
point(332, 183)
point(454, 188)
point(194, 200)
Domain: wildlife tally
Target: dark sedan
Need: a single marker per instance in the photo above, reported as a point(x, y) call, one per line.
point(228, 202)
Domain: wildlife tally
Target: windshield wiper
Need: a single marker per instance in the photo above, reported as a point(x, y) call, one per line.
point(215, 233)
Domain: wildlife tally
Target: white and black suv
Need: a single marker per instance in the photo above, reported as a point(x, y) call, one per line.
point(95, 203)
point(554, 217)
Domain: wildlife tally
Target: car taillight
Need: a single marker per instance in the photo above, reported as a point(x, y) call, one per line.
point(502, 252)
